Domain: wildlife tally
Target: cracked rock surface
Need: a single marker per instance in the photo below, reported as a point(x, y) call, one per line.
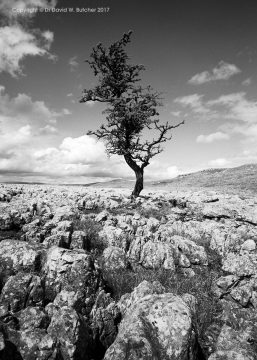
point(91, 274)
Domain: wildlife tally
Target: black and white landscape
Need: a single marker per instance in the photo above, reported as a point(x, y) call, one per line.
point(128, 213)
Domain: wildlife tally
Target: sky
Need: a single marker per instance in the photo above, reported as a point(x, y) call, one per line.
point(200, 54)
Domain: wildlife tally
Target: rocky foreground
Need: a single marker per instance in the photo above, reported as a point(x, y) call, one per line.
point(91, 274)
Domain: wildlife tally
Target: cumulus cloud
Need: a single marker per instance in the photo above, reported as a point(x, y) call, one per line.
point(234, 106)
point(247, 82)
point(195, 102)
point(237, 111)
point(13, 140)
point(83, 150)
point(221, 162)
point(161, 171)
point(237, 107)
point(207, 139)
point(21, 109)
point(16, 43)
point(76, 157)
point(25, 126)
point(48, 130)
point(223, 71)
point(176, 113)
point(73, 63)
point(90, 103)
point(16, 40)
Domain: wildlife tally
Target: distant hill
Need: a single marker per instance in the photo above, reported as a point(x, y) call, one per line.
point(242, 178)
point(238, 179)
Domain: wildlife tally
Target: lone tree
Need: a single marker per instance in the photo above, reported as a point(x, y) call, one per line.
point(131, 109)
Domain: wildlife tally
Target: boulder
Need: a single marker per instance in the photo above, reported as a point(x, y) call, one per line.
point(249, 245)
point(72, 271)
point(114, 236)
point(157, 255)
point(26, 337)
point(18, 256)
point(105, 316)
point(143, 289)
point(157, 326)
point(63, 213)
point(231, 345)
point(71, 334)
point(244, 264)
point(20, 291)
point(114, 258)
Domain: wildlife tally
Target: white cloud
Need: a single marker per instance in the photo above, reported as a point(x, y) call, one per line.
point(237, 107)
point(207, 139)
point(13, 140)
point(239, 116)
point(25, 126)
point(73, 63)
point(176, 113)
point(17, 43)
point(48, 130)
point(234, 106)
point(221, 162)
point(160, 171)
point(74, 157)
point(223, 71)
point(22, 110)
point(90, 103)
point(249, 132)
point(84, 150)
point(77, 158)
point(194, 101)
point(49, 38)
point(247, 82)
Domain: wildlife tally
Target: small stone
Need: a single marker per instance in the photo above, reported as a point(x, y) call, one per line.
point(249, 245)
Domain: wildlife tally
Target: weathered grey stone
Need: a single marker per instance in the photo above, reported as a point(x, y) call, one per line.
point(20, 256)
point(240, 264)
point(156, 326)
point(114, 258)
point(155, 255)
point(71, 333)
point(20, 291)
point(249, 245)
point(232, 346)
point(71, 271)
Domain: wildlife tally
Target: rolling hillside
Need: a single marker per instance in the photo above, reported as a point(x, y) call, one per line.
point(238, 179)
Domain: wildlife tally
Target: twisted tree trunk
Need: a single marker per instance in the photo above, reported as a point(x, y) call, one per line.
point(139, 172)
point(139, 185)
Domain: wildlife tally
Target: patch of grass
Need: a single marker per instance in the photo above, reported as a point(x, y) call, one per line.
point(200, 286)
point(157, 213)
point(161, 209)
point(91, 229)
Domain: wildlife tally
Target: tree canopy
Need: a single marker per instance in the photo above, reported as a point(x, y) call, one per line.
point(131, 108)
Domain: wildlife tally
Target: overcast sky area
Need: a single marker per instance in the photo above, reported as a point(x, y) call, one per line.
point(201, 54)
